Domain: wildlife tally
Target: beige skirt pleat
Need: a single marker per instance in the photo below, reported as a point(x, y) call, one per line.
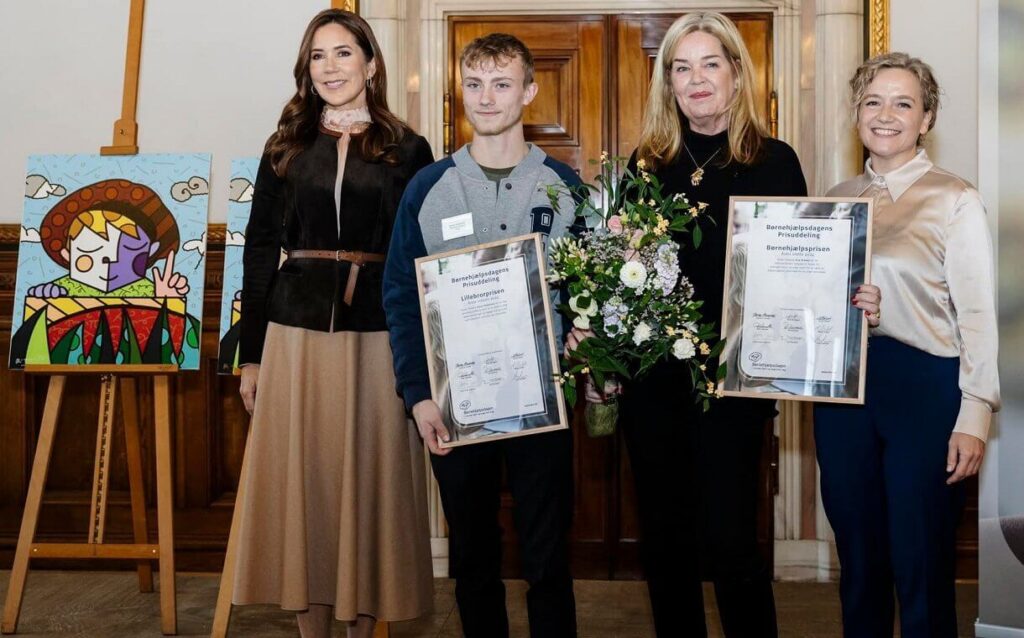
point(334, 510)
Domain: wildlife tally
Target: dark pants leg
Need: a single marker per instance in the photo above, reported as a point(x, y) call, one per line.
point(539, 471)
point(696, 487)
point(853, 492)
point(469, 479)
point(729, 465)
point(911, 406)
point(540, 479)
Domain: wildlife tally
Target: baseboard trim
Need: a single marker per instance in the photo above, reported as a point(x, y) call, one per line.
point(984, 630)
point(806, 560)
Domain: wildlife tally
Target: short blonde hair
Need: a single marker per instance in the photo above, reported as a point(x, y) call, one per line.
point(661, 139)
point(866, 72)
point(498, 49)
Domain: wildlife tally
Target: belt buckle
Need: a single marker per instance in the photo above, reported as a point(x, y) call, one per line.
point(337, 255)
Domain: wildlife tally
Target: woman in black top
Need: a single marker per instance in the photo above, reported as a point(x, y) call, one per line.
point(334, 515)
point(696, 473)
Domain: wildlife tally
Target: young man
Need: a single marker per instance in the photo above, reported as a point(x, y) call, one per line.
point(490, 189)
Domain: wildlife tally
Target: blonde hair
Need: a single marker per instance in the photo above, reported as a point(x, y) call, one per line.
point(661, 139)
point(498, 49)
point(98, 220)
point(866, 72)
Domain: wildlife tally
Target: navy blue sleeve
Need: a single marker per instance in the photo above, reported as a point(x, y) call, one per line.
point(401, 296)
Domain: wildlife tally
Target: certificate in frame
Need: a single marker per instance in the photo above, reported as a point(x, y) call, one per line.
point(792, 266)
point(490, 340)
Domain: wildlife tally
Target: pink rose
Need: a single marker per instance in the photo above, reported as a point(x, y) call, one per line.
point(615, 225)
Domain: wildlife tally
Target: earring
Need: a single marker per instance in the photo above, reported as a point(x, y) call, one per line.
point(313, 89)
point(368, 81)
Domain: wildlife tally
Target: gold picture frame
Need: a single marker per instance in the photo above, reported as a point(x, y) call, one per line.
point(346, 5)
point(877, 27)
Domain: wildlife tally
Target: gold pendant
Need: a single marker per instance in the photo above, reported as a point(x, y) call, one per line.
point(696, 176)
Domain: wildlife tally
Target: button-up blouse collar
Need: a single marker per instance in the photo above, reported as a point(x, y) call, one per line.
point(900, 180)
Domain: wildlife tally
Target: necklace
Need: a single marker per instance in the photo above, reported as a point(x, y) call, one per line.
point(697, 175)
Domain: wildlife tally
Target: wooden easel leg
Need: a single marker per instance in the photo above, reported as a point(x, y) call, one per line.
point(165, 505)
point(101, 467)
point(222, 613)
point(40, 466)
point(130, 412)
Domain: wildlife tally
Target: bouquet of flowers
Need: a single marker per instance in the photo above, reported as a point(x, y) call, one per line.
point(624, 284)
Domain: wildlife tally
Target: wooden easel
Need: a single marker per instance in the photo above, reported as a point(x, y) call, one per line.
point(141, 550)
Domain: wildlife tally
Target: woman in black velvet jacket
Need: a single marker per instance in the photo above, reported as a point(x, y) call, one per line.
point(334, 515)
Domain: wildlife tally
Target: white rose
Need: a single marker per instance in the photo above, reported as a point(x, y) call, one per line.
point(590, 309)
point(683, 349)
point(641, 333)
point(582, 322)
point(633, 274)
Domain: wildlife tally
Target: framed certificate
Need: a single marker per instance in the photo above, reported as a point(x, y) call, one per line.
point(490, 343)
point(792, 266)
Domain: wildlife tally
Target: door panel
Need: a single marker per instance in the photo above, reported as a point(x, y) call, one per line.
point(637, 39)
point(567, 118)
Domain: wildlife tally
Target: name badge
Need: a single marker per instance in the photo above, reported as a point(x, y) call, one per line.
point(457, 226)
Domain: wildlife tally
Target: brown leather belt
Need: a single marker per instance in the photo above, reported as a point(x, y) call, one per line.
point(355, 257)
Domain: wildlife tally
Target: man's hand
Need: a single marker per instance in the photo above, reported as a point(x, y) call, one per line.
point(964, 457)
point(250, 374)
point(430, 425)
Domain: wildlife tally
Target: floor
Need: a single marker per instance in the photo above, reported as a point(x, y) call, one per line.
point(108, 605)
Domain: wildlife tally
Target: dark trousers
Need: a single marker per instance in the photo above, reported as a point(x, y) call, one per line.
point(696, 480)
point(883, 484)
point(539, 470)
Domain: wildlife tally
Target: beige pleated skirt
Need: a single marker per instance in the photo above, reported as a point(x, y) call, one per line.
point(334, 507)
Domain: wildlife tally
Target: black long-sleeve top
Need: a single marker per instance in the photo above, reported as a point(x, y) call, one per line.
point(778, 174)
point(298, 211)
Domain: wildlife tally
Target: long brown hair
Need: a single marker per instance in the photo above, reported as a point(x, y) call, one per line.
point(300, 118)
point(660, 141)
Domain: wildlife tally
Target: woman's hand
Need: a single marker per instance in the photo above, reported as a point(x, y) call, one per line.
point(612, 388)
point(964, 458)
point(869, 299)
point(250, 374)
point(575, 338)
point(431, 426)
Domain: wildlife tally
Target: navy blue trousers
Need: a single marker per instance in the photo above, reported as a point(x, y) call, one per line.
point(883, 484)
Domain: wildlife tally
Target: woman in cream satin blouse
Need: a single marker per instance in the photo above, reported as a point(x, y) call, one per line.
point(892, 470)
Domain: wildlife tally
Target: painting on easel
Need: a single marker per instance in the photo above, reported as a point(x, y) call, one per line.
point(243, 177)
point(111, 261)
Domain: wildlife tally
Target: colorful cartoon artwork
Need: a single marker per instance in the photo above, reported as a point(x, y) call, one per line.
point(111, 261)
point(243, 176)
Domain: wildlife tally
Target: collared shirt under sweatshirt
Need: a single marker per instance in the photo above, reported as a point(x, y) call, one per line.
point(932, 259)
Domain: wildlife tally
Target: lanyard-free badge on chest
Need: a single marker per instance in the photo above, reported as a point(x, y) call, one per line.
point(457, 226)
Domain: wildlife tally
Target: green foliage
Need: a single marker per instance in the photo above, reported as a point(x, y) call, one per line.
point(624, 283)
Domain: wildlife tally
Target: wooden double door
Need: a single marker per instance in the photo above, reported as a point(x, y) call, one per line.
point(593, 73)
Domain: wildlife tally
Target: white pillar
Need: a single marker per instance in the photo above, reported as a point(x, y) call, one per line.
point(839, 50)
